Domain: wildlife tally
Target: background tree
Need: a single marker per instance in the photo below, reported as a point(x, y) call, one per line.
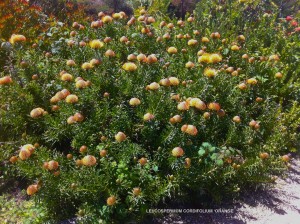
point(118, 5)
point(181, 7)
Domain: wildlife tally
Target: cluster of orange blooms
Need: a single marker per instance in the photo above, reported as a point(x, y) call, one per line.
point(91, 64)
point(38, 112)
point(178, 152)
point(131, 65)
point(51, 165)
point(77, 117)
point(60, 96)
point(88, 160)
point(204, 57)
point(209, 58)
point(80, 83)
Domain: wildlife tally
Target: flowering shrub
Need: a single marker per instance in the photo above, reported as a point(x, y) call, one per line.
point(12, 12)
point(18, 16)
point(109, 118)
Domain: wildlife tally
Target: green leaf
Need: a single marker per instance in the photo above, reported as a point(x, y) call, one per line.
point(201, 152)
point(226, 51)
point(219, 162)
point(100, 146)
point(134, 35)
point(214, 156)
point(227, 153)
point(212, 149)
point(206, 145)
point(155, 168)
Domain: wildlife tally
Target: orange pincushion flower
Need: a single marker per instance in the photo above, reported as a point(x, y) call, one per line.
point(205, 40)
point(13, 159)
point(37, 112)
point(52, 165)
point(153, 86)
point(189, 129)
point(235, 48)
point(24, 154)
point(148, 117)
point(78, 117)
point(151, 59)
point(117, 16)
point(87, 66)
point(32, 189)
point(110, 53)
point(165, 82)
point(204, 58)
point(97, 24)
point(80, 84)
point(123, 39)
point(174, 81)
point(111, 200)
point(134, 102)
point(71, 98)
point(71, 120)
point(278, 75)
point(96, 44)
point(189, 64)
point(190, 19)
point(92, 63)
point(177, 152)
point(197, 103)
point(183, 106)
point(79, 162)
point(120, 137)
point(107, 19)
point(172, 50)
point(28, 147)
point(241, 38)
point(17, 38)
point(141, 58)
point(215, 58)
point(64, 93)
point(5, 80)
point(242, 86)
point(136, 191)
point(210, 72)
point(252, 81)
point(66, 77)
point(274, 57)
point(129, 66)
point(175, 119)
point(131, 57)
point(143, 161)
point(89, 160)
point(192, 42)
point(214, 106)
point(187, 163)
point(70, 63)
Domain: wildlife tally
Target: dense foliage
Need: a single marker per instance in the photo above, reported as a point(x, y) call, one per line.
point(108, 118)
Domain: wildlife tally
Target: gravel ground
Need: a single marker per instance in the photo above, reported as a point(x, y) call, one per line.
point(280, 204)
